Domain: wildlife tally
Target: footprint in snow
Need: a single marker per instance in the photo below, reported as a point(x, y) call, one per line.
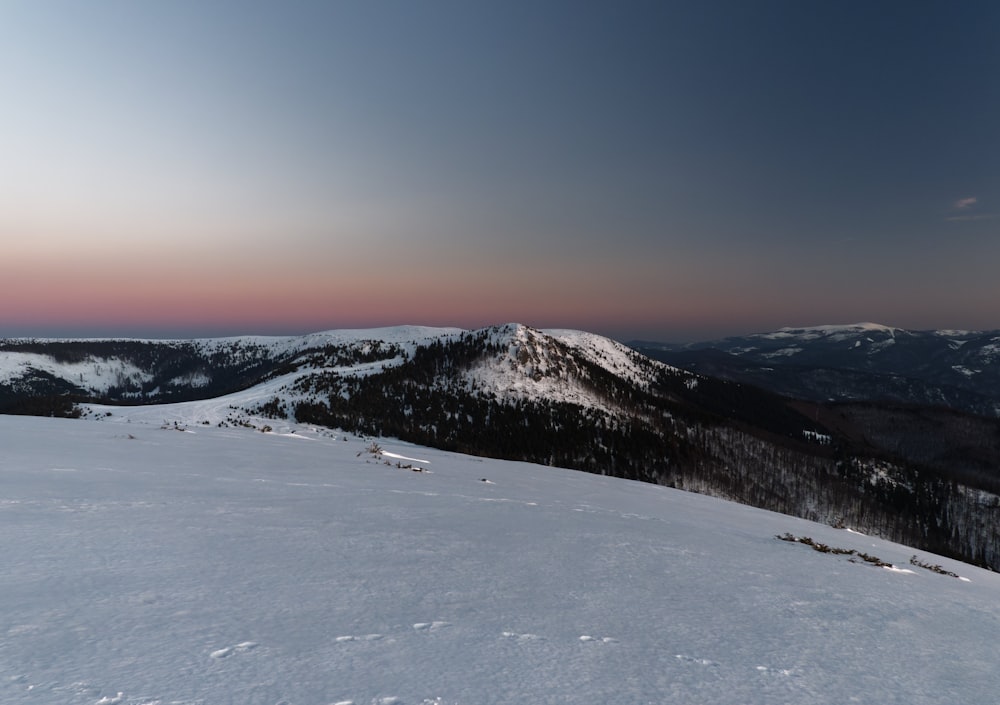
point(764, 670)
point(230, 650)
point(430, 626)
point(363, 637)
point(522, 637)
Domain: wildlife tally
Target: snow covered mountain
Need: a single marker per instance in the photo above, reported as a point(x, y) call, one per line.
point(561, 398)
point(533, 364)
point(153, 371)
point(864, 361)
point(301, 566)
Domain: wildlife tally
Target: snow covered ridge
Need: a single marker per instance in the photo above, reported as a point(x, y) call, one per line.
point(223, 566)
point(843, 331)
point(862, 361)
point(511, 362)
point(165, 370)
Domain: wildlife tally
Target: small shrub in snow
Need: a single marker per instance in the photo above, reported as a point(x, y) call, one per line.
point(933, 568)
point(823, 548)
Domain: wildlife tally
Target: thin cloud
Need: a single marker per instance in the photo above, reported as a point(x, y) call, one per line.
point(960, 211)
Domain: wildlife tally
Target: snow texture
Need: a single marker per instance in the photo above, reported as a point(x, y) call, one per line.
point(224, 566)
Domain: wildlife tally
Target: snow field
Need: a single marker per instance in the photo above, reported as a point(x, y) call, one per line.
point(145, 566)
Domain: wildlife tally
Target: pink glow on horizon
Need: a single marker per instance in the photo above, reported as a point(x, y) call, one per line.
point(132, 298)
point(293, 294)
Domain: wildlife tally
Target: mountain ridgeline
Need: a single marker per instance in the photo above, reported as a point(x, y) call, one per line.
point(860, 362)
point(568, 399)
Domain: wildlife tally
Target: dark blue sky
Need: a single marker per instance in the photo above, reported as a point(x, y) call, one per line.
point(666, 170)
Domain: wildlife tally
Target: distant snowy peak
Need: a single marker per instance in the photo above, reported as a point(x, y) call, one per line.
point(833, 332)
point(851, 327)
point(538, 352)
point(400, 335)
point(869, 339)
point(556, 365)
point(790, 342)
point(522, 362)
point(860, 330)
point(821, 330)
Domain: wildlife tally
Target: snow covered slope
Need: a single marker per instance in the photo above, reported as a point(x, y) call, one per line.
point(225, 566)
point(534, 365)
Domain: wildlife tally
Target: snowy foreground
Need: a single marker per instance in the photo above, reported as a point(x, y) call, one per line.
point(216, 566)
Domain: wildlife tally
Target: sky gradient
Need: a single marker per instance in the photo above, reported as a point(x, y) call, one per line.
point(660, 170)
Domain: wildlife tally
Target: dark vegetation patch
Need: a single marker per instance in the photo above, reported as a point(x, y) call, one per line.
point(823, 548)
point(933, 568)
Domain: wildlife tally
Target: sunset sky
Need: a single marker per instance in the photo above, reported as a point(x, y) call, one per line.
point(661, 170)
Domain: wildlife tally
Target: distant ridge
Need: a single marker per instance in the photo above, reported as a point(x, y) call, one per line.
point(855, 362)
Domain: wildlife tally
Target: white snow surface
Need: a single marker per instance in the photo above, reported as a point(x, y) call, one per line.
point(225, 566)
